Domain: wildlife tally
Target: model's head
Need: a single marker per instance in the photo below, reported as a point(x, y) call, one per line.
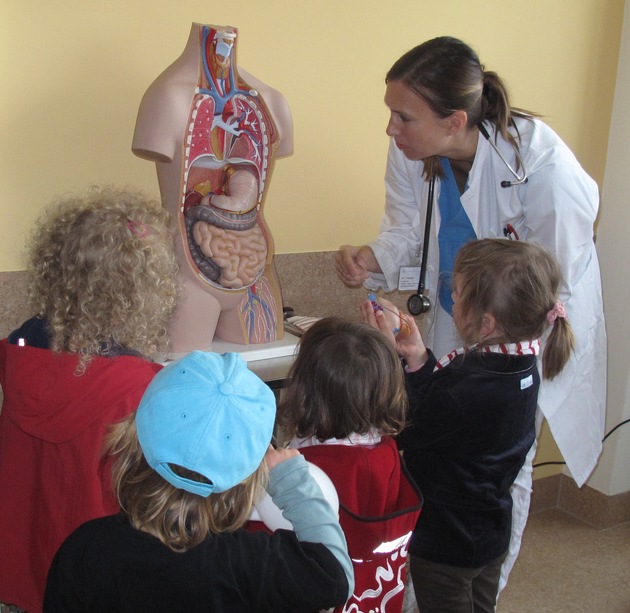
point(346, 379)
point(446, 73)
point(104, 273)
point(190, 461)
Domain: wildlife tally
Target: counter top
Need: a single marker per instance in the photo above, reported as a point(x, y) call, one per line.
point(270, 361)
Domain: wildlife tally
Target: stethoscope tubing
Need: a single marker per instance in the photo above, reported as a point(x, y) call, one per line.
point(418, 303)
point(518, 180)
point(427, 235)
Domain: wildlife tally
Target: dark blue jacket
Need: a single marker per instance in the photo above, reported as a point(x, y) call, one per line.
point(470, 427)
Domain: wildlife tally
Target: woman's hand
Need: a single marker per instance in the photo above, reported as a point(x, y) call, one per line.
point(409, 346)
point(353, 264)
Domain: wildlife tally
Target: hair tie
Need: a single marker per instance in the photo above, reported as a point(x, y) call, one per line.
point(139, 229)
point(557, 311)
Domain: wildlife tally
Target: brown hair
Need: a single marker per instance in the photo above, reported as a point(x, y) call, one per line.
point(104, 272)
point(180, 519)
point(448, 75)
point(516, 282)
point(346, 379)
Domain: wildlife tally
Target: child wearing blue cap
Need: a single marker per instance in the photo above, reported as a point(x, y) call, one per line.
point(189, 465)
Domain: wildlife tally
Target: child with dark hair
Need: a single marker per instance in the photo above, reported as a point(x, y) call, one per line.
point(189, 466)
point(472, 416)
point(344, 402)
point(103, 285)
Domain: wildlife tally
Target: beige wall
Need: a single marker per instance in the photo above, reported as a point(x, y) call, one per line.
point(73, 74)
point(612, 475)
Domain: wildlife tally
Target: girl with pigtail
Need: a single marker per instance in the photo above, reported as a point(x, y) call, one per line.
point(472, 415)
point(464, 164)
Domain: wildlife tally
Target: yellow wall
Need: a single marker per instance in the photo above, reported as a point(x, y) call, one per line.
point(73, 74)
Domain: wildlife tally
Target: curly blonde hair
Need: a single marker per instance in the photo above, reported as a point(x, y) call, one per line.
point(104, 272)
point(179, 519)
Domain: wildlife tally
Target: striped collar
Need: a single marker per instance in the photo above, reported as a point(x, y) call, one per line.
point(522, 348)
point(369, 439)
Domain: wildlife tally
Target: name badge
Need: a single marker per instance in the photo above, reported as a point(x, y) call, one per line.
point(408, 278)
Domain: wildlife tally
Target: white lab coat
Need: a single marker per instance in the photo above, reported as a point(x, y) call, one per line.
point(556, 208)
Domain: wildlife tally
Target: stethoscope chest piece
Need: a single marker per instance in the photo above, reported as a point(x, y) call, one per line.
point(418, 304)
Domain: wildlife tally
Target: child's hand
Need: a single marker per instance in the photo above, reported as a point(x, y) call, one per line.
point(273, 457)
point(376, 320)
point(409, 346)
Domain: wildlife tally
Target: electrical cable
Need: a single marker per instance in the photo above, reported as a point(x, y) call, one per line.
point(625, 421)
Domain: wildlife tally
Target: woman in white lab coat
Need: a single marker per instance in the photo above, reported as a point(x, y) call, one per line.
point(498, 172)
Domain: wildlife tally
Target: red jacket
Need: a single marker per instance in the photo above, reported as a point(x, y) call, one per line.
point(378, 509)
point(52, 473)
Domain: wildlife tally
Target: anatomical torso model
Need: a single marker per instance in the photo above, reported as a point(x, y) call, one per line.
point(214, 133)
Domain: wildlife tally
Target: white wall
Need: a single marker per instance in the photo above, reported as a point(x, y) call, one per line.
point(612, 475)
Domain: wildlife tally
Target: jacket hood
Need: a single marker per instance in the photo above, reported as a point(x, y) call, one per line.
point(46, 398)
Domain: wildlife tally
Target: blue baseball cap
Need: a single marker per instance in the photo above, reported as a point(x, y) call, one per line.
point(207, 413)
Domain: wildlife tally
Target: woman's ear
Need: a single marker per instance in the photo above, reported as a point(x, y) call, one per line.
point(458, 121)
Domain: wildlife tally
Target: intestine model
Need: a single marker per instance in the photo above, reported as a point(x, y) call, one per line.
point(214, 133)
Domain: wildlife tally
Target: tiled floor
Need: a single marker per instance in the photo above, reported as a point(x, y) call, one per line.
point(565, 566)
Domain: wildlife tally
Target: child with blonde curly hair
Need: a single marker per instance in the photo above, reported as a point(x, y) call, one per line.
point(103, 287)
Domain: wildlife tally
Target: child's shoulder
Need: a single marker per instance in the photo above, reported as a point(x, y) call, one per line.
point(354, 460)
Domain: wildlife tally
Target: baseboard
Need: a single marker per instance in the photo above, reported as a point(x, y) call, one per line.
point(545, 493)
point(585, 503)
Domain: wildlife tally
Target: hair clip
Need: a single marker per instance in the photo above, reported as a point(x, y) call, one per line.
point(558, 310)
point(138, 229)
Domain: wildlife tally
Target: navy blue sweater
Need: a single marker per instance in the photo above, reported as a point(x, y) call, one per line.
point(470, 427)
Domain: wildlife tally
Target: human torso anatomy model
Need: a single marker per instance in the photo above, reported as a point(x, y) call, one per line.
point(214, 133)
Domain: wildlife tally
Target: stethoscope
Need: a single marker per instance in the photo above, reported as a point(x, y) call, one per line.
point(518, 180)
point(418, 303)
